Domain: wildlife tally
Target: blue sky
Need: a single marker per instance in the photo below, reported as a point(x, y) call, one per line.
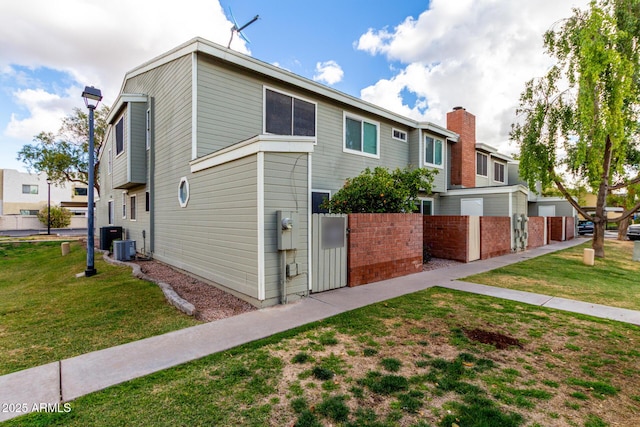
point(418, 58)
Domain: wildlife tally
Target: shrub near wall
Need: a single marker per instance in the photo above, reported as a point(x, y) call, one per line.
point(383, 246)
point(495, 236)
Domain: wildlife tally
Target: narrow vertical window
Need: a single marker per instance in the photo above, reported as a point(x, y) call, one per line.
point(132, 202)
point(147, 202)
point(124, 205)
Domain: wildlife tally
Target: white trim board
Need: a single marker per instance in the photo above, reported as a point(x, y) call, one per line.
point(257, 144)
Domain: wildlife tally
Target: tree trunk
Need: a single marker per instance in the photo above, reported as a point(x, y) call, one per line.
point(600, 219)
point(622, 229)
point(598, 237)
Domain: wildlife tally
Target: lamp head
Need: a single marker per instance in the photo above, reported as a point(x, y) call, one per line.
point(93, 94)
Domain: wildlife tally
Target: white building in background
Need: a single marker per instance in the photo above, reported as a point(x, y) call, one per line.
point(23, 195)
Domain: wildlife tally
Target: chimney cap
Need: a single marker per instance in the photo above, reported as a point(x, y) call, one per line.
point(458, 108)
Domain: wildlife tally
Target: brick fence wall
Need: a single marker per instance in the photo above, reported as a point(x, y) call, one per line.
point(495, 236)
point(536, 232)
point(447, 236)
point(554, 225)
point(571, 227)
point(383, 246)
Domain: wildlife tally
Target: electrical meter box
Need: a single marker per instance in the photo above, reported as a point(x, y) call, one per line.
point(287, 228)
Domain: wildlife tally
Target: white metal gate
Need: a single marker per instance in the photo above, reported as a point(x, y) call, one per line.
point(328, 251)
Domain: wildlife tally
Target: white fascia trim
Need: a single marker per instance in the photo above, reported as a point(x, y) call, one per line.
point(257, 144)
point(194, 105)
point(260, 224)
point(124, 98)
point(439, 130)
point(310, 190)
point(228, 55)
point(502, 189)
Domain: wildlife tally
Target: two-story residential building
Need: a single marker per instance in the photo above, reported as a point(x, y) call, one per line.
point(214, 162)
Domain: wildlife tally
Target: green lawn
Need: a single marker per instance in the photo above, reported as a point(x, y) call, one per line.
point(47, 314)
point(411, 361)
point(614, 280)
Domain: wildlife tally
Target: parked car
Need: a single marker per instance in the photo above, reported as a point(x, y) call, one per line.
point(585, 227)
point(633, 232)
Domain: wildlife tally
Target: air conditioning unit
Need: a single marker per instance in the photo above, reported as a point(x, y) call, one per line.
point(124, 250)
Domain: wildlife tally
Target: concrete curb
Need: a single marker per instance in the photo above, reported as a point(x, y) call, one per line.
point(171, 295)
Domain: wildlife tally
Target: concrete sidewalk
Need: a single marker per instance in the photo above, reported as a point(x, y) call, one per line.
point(71, 378)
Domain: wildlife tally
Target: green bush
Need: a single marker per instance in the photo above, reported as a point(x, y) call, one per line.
point(60, 217)
point(381, 191)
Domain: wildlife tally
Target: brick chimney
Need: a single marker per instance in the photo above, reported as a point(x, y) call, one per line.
point(463, 152)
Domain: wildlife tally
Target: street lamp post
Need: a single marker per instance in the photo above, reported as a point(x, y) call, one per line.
point(92, 97)
point(48, 206)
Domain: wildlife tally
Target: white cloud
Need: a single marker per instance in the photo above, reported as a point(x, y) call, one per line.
point(473, 53)
point(95, 43)
point(46, 110)
point(328, 72)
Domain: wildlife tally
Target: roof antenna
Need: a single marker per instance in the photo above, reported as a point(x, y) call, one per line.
point(237, 29)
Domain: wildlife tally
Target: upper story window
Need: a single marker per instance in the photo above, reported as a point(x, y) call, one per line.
point(498, 172)
point(287, 115)
point(80, 191)
point(120, 136)
point(399, 135)
point(361, 136)
point(433, 151)
point(29, 189)
point(481, 164)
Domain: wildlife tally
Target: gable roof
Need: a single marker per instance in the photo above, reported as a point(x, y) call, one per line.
point(202, 46)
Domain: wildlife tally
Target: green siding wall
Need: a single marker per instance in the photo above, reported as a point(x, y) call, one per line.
point(137, 167)
point(285, 188)
point(229, 106)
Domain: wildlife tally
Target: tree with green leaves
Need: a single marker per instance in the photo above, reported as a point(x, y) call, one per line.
point(381, 191)
point(64, 156)
point(581, 119)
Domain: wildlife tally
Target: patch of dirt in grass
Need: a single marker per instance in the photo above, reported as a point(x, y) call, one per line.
point(553, 379)
point(500, 341)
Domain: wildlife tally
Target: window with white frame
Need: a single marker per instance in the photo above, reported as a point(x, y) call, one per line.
point(498, 172)
point(183, 192)
point(124, 205)
point(361, 136)
point(120, 136)
point(433, 151)
point(399, 134)
point(29, 189)
point(288, 115)
point(481, 164)
point(424, 206)
point(132, 202)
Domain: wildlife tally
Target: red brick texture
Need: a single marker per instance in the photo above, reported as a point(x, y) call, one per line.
point(447, 237)
point(383, 246)
point(463, 152)
point(570, 227)
point(495, 236)
point(536, 232)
